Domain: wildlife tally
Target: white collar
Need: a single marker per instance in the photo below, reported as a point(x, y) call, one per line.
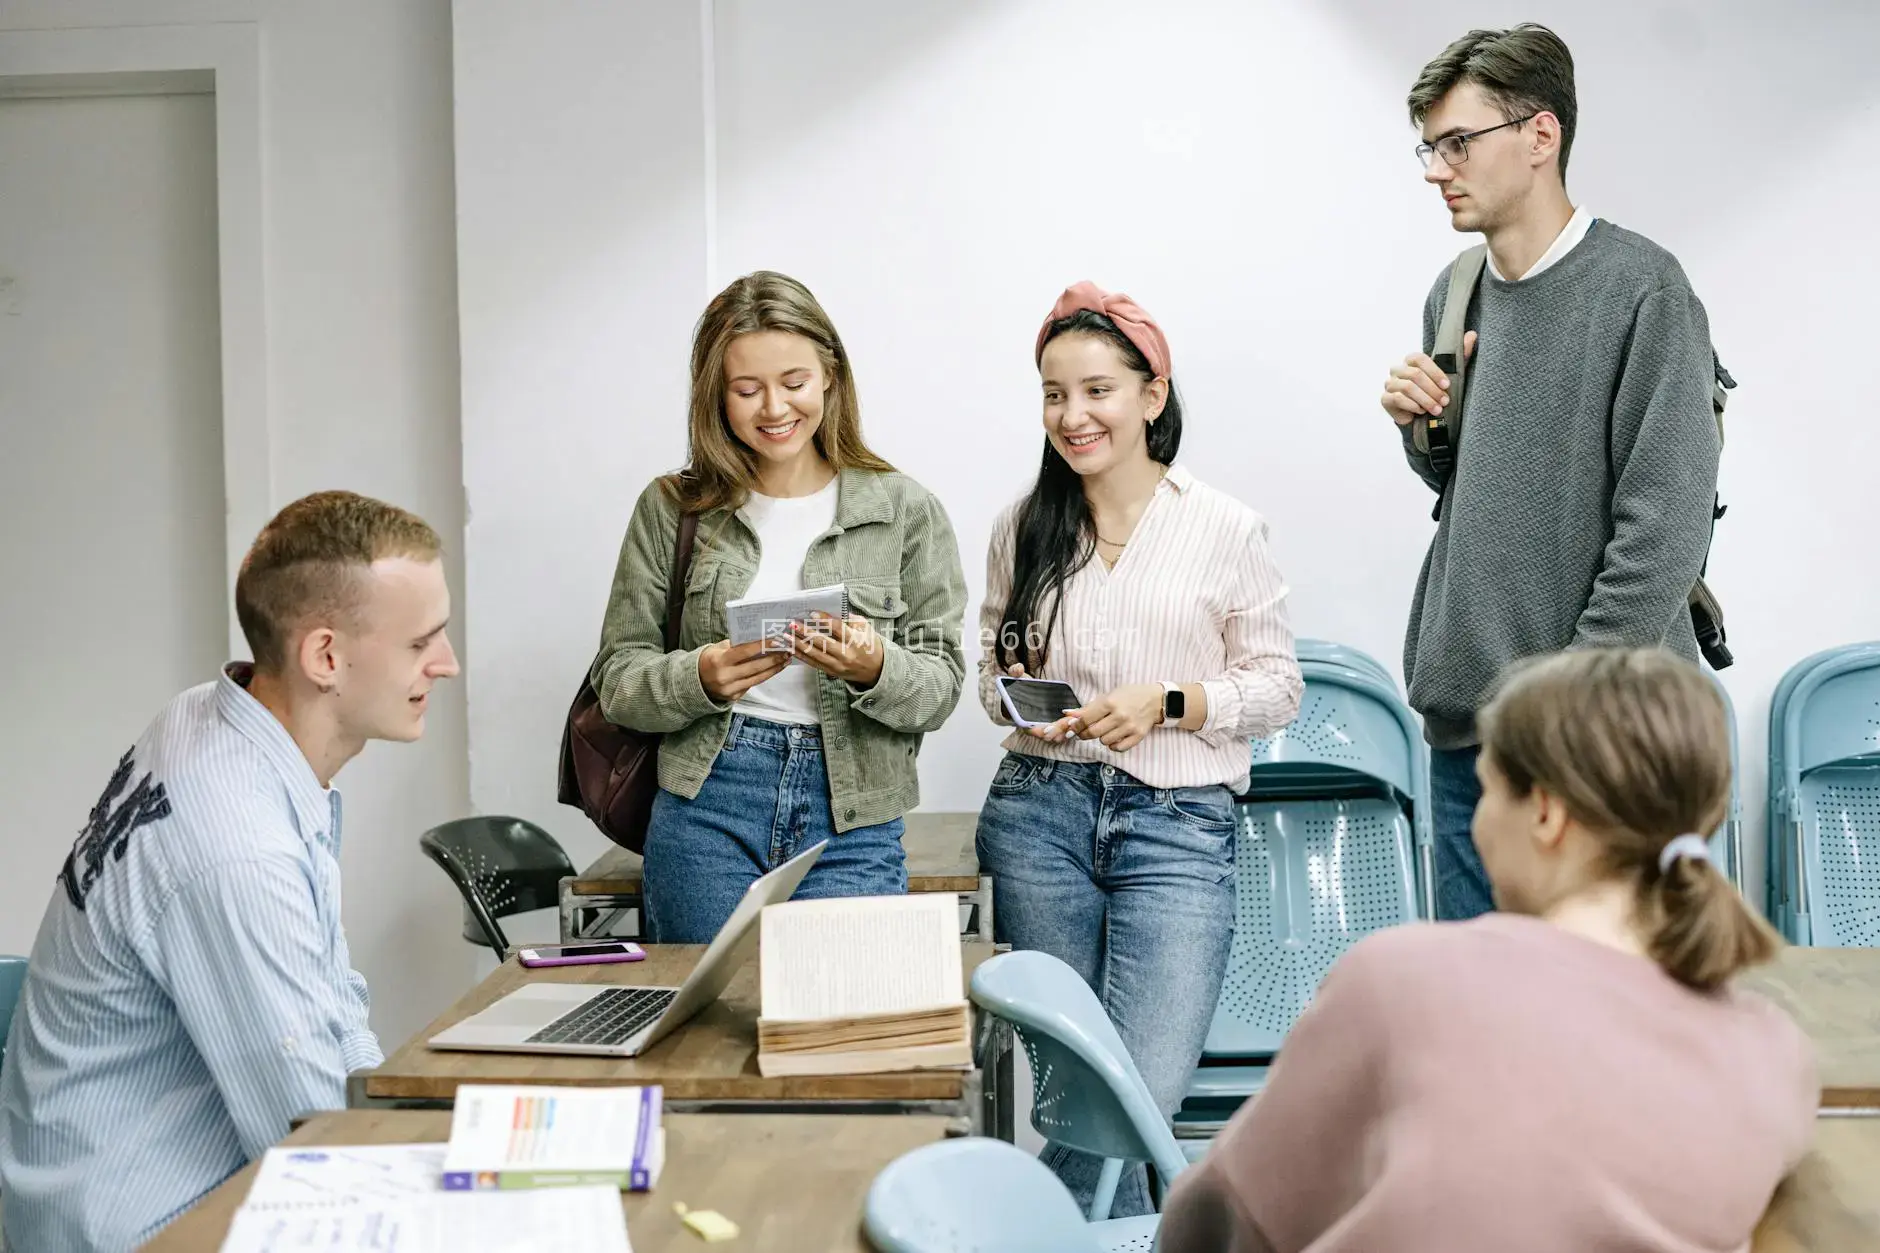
point(1570, 235)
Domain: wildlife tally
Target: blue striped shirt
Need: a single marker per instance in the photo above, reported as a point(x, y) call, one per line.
point(190, 990)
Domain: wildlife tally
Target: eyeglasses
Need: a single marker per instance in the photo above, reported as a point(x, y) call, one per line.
point(1454, 149)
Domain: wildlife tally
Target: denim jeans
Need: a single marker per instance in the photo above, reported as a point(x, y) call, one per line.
point(1133, 888)
point(766, 799)
point(1462, 890)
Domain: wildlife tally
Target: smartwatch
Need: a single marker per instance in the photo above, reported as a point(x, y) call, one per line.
point(1174, 702)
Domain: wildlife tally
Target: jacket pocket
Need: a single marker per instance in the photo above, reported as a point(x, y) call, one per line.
point(882, 604)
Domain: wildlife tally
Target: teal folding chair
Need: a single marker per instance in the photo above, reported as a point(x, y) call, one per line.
point(1331, 844)
point(1086, 1090)
point(976, 1195)
point(1824, 799)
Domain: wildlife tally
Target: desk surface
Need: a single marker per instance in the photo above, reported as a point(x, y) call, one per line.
point(1834, 995)
point(711, 1058)
point(792, 1182)
point(1831, 1204)
point(940, 858)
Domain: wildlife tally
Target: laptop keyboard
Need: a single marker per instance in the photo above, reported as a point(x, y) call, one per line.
point(613, 1017)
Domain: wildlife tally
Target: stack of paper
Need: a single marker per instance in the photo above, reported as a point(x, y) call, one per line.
point(544, 1137)
point(857, 985)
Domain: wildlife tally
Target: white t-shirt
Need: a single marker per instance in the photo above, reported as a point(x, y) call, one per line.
point(786, 527)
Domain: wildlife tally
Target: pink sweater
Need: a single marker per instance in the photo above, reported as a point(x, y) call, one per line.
point(1502, 1084)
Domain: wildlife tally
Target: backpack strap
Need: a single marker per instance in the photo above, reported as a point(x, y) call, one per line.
point(1440, 436)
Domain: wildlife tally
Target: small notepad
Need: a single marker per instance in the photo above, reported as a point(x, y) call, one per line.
point(769, 619)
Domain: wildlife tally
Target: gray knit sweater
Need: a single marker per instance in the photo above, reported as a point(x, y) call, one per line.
point(1580, 509)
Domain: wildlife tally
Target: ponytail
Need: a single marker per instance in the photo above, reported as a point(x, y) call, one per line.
point(1636, 744)
point(1698, 927)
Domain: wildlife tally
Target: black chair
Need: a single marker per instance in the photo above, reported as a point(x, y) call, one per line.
point(501, 866)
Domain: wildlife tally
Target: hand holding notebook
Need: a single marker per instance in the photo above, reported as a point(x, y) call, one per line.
point(769, 619)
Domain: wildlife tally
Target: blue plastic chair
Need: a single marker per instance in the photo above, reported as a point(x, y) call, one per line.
point(12, 981)
point(1824, 785)
point(1086, 1090)
point(984, 1196)
point(1332, 843)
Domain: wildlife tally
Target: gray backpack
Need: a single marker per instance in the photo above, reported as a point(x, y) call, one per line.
point(1439, 437)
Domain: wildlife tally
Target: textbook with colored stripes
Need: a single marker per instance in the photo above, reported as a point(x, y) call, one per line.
point(543, 1137)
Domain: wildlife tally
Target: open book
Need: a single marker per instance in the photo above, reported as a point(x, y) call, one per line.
point(862, 984)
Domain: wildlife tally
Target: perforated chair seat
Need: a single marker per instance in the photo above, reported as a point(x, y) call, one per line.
point(1312, 878)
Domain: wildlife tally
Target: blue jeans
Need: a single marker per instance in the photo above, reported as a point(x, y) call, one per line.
point(1133, 888)
point(1462, 890)
point(766, 800)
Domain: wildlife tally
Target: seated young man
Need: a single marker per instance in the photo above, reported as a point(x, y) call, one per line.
point(190, 991)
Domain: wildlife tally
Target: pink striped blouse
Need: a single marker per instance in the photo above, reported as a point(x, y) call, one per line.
point(1195, 598)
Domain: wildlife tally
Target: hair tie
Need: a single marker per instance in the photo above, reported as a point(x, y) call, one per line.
point(1131, 319)
point(1695, 847)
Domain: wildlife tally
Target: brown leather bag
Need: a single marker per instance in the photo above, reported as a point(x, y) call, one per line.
point(608, 772)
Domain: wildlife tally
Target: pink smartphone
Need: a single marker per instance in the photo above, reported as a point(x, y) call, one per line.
point(581, 954)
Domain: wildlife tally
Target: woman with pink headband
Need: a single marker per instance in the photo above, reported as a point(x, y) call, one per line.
point(1110, 831)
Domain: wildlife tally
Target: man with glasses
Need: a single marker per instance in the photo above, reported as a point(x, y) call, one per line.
point(1577, 510)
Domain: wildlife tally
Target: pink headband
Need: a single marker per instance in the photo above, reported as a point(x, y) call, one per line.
point(1130, 318)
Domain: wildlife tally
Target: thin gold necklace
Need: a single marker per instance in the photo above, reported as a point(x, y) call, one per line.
point(1125, 544)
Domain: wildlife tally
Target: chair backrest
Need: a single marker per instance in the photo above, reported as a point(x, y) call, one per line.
point(12, 982)
point(1086, 1090)
point(1354, 739)
point(973, 1195)
point(1311, 878)
point(1343, 655)
point(501, 866)
point(1824, 799)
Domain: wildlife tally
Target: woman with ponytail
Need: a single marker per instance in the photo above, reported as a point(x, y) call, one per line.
point(1575, 1072)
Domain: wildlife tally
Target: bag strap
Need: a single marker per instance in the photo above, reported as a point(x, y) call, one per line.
point(1439, 437)
point(675, 586)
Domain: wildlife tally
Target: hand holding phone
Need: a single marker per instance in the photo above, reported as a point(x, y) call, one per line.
point(1036, 702)
point(581, 954)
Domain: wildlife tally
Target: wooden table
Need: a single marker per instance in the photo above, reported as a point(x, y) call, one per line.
point(709, 1065)
point(1834, 995)
point(1831, 1204)
point(794, 1183)
point(940, 858)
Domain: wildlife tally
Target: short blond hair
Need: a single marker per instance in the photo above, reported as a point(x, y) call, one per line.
point(307, 563)
point(1636, 744)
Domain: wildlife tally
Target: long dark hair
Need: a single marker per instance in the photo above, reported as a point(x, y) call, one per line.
point(1056, 535)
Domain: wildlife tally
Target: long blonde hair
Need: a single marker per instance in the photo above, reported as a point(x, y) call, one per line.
point(1636, 744)
point(720, 469)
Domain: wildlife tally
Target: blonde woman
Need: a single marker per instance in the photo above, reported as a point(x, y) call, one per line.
point(765, 754)
point(1573, 1073)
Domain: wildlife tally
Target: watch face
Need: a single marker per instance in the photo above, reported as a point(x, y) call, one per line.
point(1174, 704)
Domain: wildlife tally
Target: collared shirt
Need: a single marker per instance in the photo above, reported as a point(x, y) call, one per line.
point(1195, 598)
point(190, 991)
point(1569, 237)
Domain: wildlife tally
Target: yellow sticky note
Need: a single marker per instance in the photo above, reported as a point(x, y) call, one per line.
point(709, 1225)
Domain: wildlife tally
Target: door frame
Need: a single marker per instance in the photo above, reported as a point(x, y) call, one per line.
point(222, 58)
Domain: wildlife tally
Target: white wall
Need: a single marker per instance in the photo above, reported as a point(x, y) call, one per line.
point(107, 253)
point(938, 172)
point(580, 226)
point(360, 279)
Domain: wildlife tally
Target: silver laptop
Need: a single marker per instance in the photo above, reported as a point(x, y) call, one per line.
point(613, 1021)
